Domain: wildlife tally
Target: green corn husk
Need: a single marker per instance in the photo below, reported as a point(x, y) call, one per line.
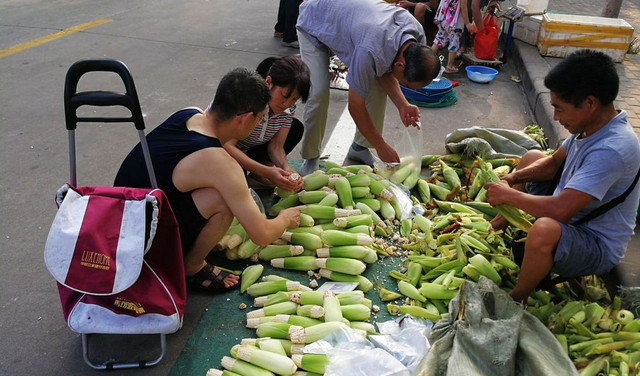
point(386, 210)
point(341, 265)
point(410, 291)
point(326, 212)
point(332, 311)
point(402, 173)
point(329, 164)
point(348, 251)
point(414, 311)
point(315, 230)
point(285, 203)
point(306, 220)
point(360, 229)
point(359, 180)
point(412, 179)
point(484, 267)
point(250, 275)
point(311, 310)
point(312, 197)
point(429, 159)
point(476, 184)
point(284, 308)
point(606, 348)
point(356, 312)
point(273, 345)
point(399, 276)
point(367, 210)
point(330, 200)
point(360, 192)
point(278, 251)
point(306, 240)
point(278, 330)
point(351, 297)
point(275, 298)
point(369, 328)
point(314, 333)
point(414, 272)
point(624, 317)
point(315, 181)
point(633, 326)
point(275, 363)
point(377, 187)
point(354, 220)
point(359, 169)
point(436, 291)
point(440, 192)
point(300, 263)
point(481, 196)
point(372, 203)
point(315, 363)
point(296, 320)
point(483, 207)
point(253, 323)
point(450, 176)
point(472, 242)
point(308, 297)
point(241, 367)
point(343, 188)
point(267, 288)
point(338, 238)
point(337, 171)
point(216, 372)
point(405, 227)
point(363, 283)
point(424, 191)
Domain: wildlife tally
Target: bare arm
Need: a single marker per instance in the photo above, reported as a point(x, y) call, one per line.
point(275, 149)
point(244, 161)
point(215, 168)
point(409, 114)
point(476, 14)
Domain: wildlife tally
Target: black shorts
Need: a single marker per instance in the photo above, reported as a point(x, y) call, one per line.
point(190, 221)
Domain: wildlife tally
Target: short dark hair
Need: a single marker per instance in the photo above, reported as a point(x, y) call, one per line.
point(584, 73)
point(240, 91)
point(288, 72)
point(421, 63)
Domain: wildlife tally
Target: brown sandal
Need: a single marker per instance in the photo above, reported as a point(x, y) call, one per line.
point(207, 274)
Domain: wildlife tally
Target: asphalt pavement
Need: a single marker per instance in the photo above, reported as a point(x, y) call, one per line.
point(177, 52)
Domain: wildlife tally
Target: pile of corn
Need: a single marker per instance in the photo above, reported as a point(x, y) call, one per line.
point(350, 218)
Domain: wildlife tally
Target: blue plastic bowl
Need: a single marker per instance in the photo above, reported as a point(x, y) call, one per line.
point(480, 74)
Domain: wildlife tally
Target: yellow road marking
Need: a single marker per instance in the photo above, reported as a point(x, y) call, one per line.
point(48, 38)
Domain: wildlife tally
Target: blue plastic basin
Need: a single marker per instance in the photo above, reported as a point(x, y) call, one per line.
point(480, 74)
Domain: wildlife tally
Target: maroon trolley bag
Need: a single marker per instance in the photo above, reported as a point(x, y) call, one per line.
point(114, 251)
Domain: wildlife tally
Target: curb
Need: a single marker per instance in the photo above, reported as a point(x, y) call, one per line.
point(532, 69)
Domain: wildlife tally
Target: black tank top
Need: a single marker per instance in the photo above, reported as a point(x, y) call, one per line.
point(169, 143)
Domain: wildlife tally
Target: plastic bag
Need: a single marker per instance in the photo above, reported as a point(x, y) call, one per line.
point(405, 338)
point(402, 200)
point(258, 201)
point(486, 41)
point(409, 150)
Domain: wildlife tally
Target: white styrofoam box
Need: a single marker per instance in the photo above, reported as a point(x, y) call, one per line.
point(533, 6)
point(562, 34)
point(527, 30)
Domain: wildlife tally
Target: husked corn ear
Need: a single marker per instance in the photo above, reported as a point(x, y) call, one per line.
point(306, 220)
point(363, 283)
point(311, 362)
point(342, 265)
point(356, 312)
point(273, 345)
point(272, 310)
point(337, 238)
point(372, 203)
point(354, 220)
point(366, 209)
point(247, 249)
point(314, 333)
point(243, 368)
point(351, 297)
point(266, 288)
point(277, 251)
point(360, 229)
point(282, 193)
point(306, 240)
point(315, 181)
point(267, 300)
point(329, 200)
point(310, 310)
point(308, 297)
point(386, 210)
point(312, 197)
point(360, 192)
point(275, 363)
point(300, 263)
point(249, 276)
point(412, 179)
point(379, 190)
point(332, 311)
point(344, 193)
point(296, 320)
point(347, 251)
point(402, 173)
point(285, 203)
point(327, 212)
point(359, 180)
point(279, 330)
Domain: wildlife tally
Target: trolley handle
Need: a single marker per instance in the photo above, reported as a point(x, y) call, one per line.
point(73, 100)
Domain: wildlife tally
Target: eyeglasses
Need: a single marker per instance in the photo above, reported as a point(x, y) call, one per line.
point(243, 113)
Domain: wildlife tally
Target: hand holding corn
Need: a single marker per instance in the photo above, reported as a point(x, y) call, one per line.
point(496, 192)
point(292, 215)
point(282, 178)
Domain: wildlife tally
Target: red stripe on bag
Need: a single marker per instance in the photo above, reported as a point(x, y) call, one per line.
point(94, 259)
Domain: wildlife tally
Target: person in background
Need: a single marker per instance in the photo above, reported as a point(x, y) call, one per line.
point(579, 229)
point(383, 46)
point(424, 11)
point(450, 24)
point(205, 186)
point(264, 152)
point(285, 28)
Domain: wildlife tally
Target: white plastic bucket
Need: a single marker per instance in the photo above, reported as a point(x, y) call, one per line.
point(533, 6)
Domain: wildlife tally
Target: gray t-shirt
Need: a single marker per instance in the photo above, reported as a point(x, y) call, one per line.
point(604, 165)
point(365, 34)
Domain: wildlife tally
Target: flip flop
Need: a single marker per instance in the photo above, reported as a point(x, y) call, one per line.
point(207, 274)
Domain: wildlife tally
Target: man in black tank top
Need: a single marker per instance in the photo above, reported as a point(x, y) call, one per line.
point(205, 185)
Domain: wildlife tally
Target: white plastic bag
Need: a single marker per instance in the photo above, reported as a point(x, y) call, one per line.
point(410, 152)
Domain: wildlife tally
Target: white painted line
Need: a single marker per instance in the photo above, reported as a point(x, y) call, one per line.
point(341, 138)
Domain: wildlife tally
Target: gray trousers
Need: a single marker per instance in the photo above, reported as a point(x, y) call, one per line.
point(317, 106)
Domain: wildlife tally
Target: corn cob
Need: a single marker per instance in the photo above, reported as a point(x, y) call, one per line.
point(414, 311)
point(379, 190)
point(350, 251)
point(311, 197)
point(300, 263)
point(276, 251)
point(367, 210)
point(249, 276)
point(314, 333)
point(329, 164)
point(412, 179)
point(275, 309)
point(243, 368)
point(414, 272)
point(331, 305)
point(247, 249)
point(343, 188)
point(409, 290)
point(327, 212)
point(272, 345)
point(359, 169)
point(337, 171)
point(402, 173)
point(440, 192)
point(266, 288)
point(386, 210)
point(429, 159)
point(277, 330)
point(372, 203)
point(435, 291)
point(363, 283)
point(296, 320)
point(285, 203)
point(356, 312)
point(354, 220)
point(253, 323)
point(485, 268)
point(341, 265)
point(424, 191)
point(450, 176)
point(311, 310)
point(308, 297)
point(359, 180)
point(315, 181)
point(330, 199)
point(369, 328)
point(267, 300)
point(360, 192)
point(471, 272)
point(360, 229)
point(306, 240)
point(311, 362)
point(315, 230)
point(275, 363)
point(405, 227)
point(336, 238)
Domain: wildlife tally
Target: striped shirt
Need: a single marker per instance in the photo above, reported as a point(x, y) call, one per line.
point(266, 128)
